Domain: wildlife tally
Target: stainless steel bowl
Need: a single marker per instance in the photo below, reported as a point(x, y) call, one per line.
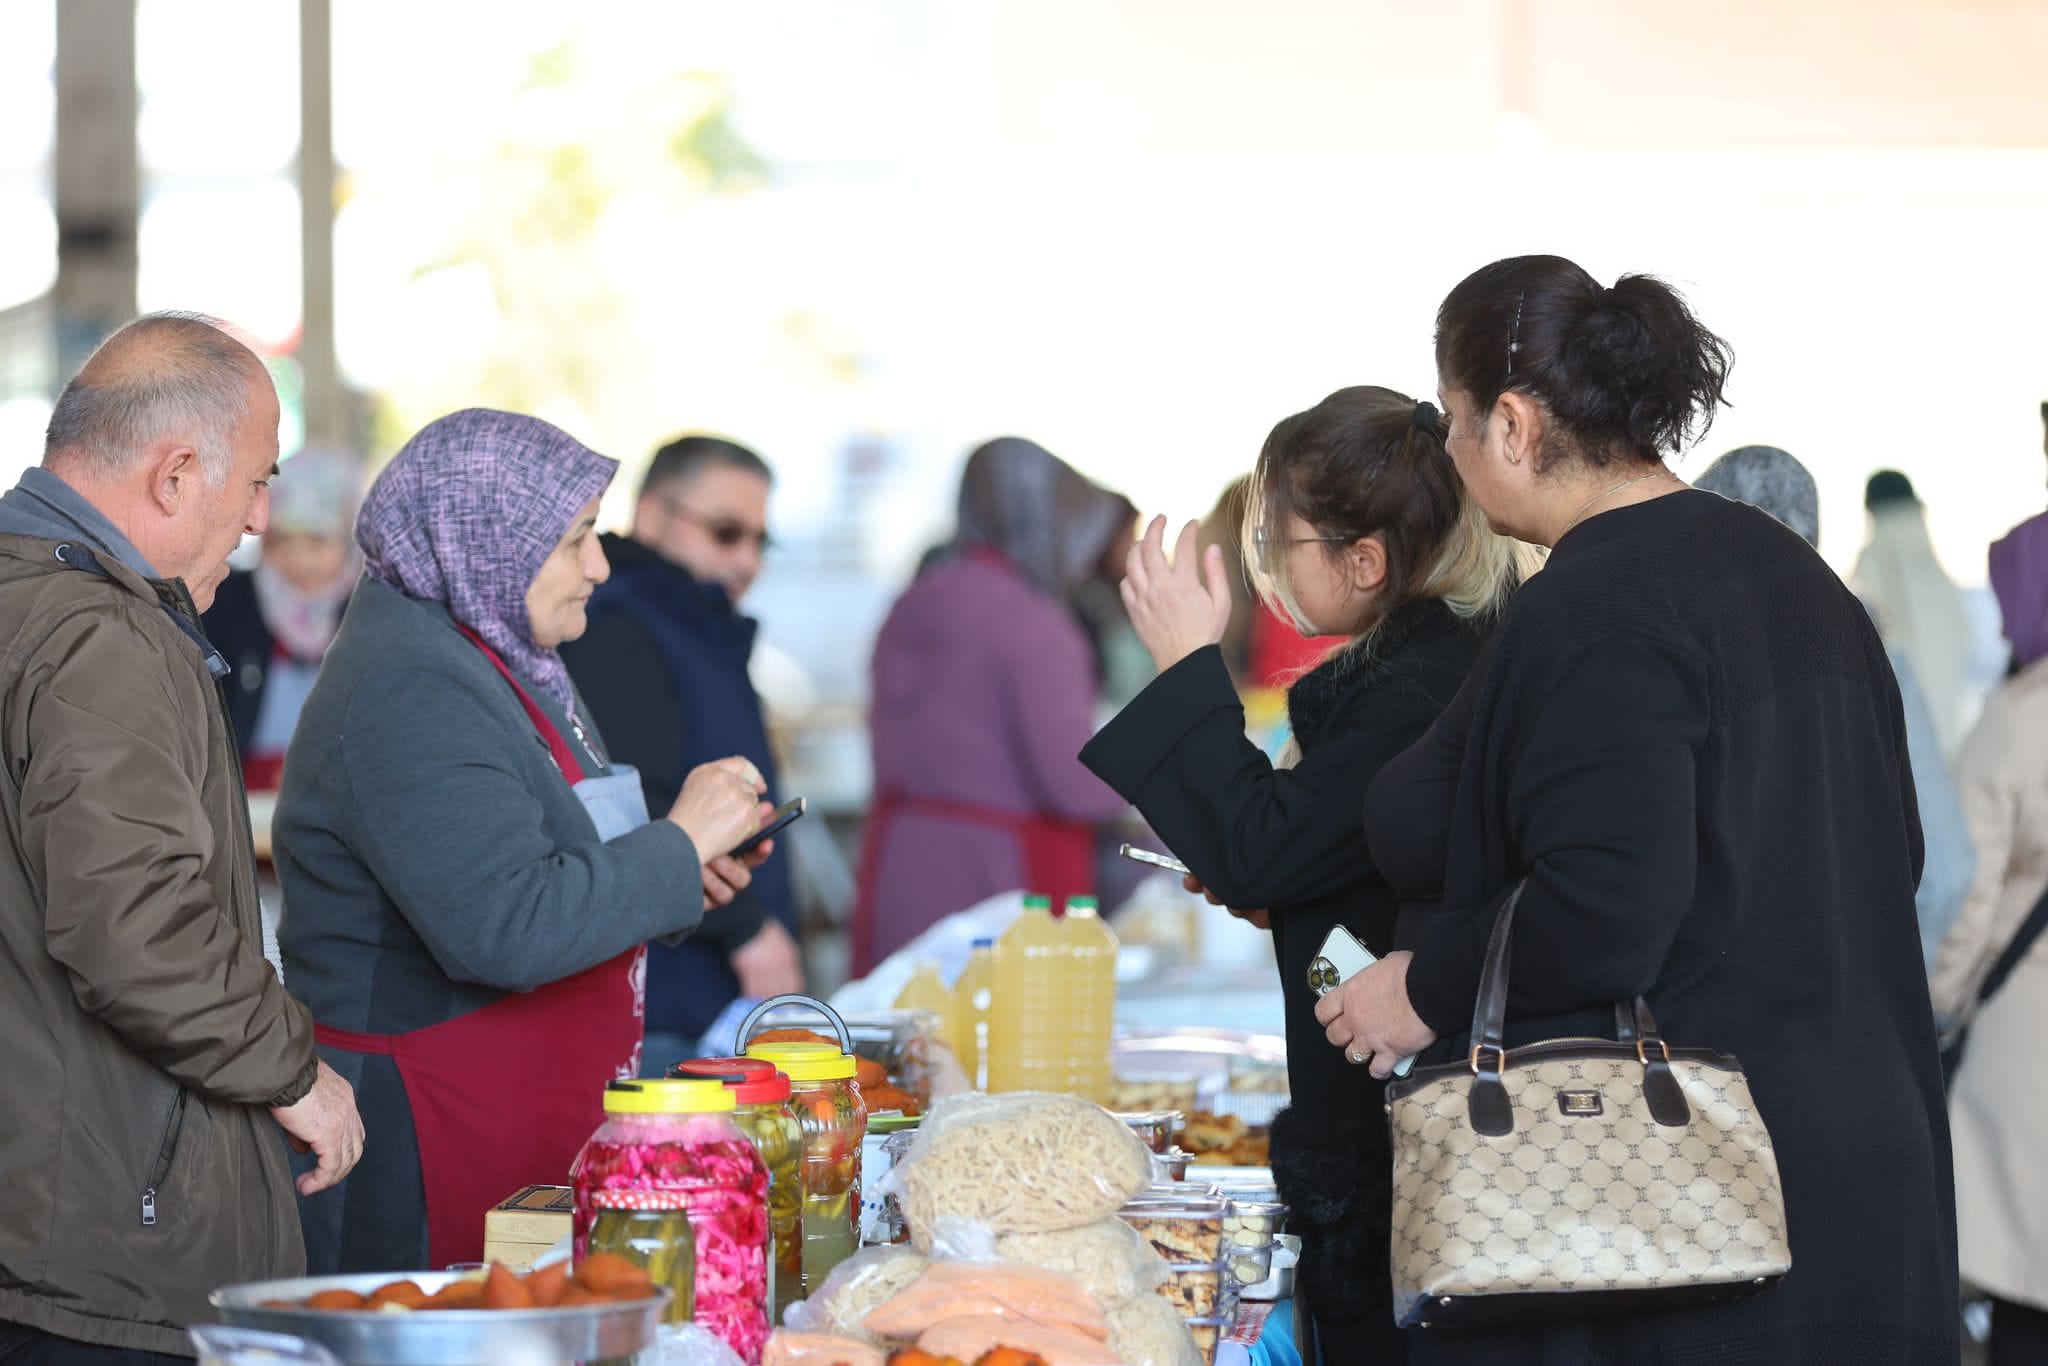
point(442, 1337)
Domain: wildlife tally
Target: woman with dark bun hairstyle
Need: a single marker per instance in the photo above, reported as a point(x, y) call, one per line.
point(1686, 744)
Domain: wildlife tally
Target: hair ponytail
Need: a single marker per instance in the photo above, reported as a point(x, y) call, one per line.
point(1627, 372)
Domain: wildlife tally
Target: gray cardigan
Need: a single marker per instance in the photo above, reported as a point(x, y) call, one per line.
point(432, 857)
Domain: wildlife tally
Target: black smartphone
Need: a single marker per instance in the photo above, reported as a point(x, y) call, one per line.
point(784, 814)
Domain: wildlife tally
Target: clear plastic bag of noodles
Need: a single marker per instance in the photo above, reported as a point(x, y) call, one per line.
point(1148, 1332)
point(856, 1288)
point(1108, 1259)
point(1018, 1162)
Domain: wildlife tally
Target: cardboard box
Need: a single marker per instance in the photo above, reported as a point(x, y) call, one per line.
point(527, 1223)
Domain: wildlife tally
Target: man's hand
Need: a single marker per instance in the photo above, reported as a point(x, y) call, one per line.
point(769, 964)
point(324, 1123)
point(1263, 919)
point(1370, 1019)
point(1176, 609)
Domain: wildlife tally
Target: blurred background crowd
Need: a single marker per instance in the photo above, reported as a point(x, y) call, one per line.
point(856, 290)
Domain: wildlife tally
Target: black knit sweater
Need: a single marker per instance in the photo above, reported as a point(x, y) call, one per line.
point(1686, 736)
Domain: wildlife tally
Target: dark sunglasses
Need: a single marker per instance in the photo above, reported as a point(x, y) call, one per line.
point(723, 530)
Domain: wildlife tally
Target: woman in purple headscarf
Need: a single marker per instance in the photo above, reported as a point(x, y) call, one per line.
point(469, 882)
point(984, 693)
point(1991, 972)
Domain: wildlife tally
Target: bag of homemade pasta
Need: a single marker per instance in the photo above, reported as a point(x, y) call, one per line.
point(1148, 1332)
point(856, 1288)
point(1108, 1258)
point(1019, 1162)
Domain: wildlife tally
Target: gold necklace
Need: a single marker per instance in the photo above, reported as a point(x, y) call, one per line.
point(1587, 506)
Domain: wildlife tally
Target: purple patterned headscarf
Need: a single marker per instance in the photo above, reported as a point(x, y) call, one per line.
point(2019, 578)
point(466, 514)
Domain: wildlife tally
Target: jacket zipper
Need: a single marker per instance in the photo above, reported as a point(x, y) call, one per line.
point(166, 1149)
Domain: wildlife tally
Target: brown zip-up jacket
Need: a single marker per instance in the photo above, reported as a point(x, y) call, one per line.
point(142, 1033)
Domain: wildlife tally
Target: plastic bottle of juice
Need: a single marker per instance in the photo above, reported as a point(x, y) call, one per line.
point(927, 991)
point(1032, 1005)
point(1091, 964)
point(973, 995)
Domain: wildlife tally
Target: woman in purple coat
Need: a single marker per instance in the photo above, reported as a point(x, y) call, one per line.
point(983, 694)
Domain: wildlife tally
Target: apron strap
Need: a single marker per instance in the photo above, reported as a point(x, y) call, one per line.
point(558, 748)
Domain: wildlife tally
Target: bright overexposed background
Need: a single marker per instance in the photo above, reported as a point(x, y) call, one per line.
point(863, 238)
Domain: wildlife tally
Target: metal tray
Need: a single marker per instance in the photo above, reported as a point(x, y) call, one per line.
point(442, 1337)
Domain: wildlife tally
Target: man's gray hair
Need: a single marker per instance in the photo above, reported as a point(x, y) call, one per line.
point(171, 375)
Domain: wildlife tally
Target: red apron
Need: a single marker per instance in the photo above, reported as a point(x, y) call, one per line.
point(1059, 855)
point(505, 1096)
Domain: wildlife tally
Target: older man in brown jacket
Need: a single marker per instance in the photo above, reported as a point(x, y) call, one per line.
point(151, 1065)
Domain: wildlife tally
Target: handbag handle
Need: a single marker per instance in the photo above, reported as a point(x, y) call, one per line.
point(1487, 1104)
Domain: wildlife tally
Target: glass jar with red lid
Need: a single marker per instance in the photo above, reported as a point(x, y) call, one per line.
point(766, 1116)
point(674, 1146)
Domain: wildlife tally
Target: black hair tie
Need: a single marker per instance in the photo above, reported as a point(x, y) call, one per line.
point(1426, 417)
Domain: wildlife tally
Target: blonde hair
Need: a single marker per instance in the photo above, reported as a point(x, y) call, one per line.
point(1369, 460)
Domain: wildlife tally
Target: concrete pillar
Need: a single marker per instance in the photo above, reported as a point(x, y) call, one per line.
point(98, 183)
point(330, 413)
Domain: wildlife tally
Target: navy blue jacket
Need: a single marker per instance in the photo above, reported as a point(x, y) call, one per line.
point(663, 670)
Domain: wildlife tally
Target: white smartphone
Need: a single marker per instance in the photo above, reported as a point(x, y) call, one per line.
point(1166, 861)
point(1341, 958)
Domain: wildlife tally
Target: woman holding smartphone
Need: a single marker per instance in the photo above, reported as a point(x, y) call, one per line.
point(1359, 530)
point(1686, 747)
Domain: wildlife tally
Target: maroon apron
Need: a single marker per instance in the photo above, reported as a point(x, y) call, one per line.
point(1058, 854)
point(504, 1096)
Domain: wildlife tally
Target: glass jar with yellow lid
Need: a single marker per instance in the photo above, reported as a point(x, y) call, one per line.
point(767, 1117)
point(670, 1181)
point(834, 1121)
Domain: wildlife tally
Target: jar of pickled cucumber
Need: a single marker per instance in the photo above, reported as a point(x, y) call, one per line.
point(766, 1116)
point(668, 1149)
point(834, 1121)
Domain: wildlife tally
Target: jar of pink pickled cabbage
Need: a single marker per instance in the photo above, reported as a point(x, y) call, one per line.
point(674, 1144)
point(766, 1117)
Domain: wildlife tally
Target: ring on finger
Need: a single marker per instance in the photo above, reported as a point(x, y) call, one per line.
point(1357, 1058)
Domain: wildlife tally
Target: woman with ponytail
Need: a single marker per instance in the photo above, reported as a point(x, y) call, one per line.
point(1357, 528)
point(1686, 746)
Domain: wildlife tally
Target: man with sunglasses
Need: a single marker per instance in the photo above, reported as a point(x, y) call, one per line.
point(663, 669)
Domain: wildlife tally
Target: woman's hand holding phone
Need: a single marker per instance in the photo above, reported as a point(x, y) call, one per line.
point(1261, 918)
point(720, 806)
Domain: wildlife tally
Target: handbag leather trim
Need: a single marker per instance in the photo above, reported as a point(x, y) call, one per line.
point(1478, 1311)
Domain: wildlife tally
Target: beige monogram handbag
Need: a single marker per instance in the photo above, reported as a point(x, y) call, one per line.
point(1577, 1177)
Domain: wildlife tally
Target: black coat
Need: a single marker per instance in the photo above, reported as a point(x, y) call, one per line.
point(1288, 841)
point(236, 627)
point(663, 669)
point(1686, 736)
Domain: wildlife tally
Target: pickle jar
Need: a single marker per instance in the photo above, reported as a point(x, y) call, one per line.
point(668, 1170)
point(834, 1121)
point(768, 1119)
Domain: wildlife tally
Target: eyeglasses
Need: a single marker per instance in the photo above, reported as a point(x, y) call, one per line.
point(724, 530)
point(1262, 542)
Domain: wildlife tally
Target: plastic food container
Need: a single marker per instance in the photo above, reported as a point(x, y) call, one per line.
point(1155, 1127)
point(764, 1114)
point(669, 1168)
point(1174, 1164)
point(1208, 1330)
point(1252, 1224)
point(1194, 1289)
point(1180, 1233)
point(1279, 1282)
point(881, 1215)
point(901, 1042)
point(1248, 1266)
